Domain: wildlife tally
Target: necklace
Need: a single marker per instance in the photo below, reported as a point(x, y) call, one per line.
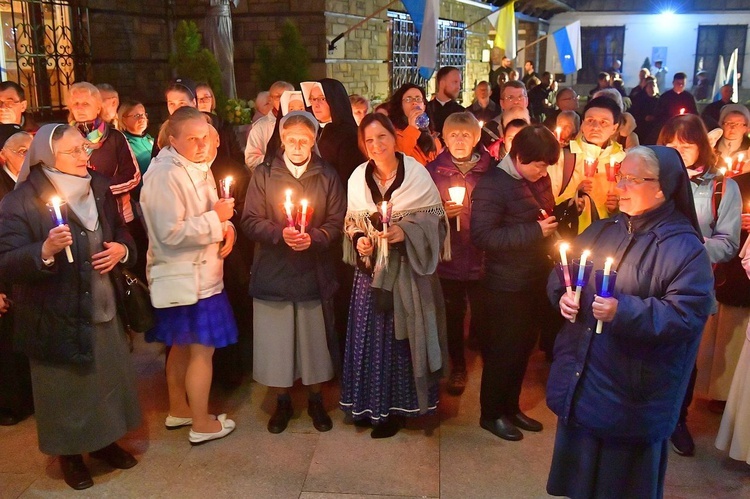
point(384, 181)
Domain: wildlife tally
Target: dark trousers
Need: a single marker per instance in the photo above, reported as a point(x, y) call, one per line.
point(688, 398)
point(510, 328)
point(456, 293)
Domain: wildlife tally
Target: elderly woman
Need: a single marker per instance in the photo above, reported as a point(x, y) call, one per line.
point(110, 154)
point(293, 277)
point(506, 225)
point(133, 124)
point(68, 313)
point(396, 342)
point(617, 394)
point(189, 237)
point(406, 105)
point(718, 205)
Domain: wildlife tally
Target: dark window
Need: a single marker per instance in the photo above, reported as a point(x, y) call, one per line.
point(715, 41)
point(600, 48)
point(405, 45)
point(45, 49)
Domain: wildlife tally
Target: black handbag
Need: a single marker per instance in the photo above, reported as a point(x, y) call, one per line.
point(137, 301)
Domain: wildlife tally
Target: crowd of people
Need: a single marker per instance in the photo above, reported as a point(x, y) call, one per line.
point(354, 243)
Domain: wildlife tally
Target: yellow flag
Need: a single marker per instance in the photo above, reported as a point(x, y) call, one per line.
point(505, 30)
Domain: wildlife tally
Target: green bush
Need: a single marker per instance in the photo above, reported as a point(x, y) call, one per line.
point(192, 60)
point(287, 61)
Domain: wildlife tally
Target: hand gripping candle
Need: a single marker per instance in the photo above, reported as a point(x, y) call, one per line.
point(581, 274)
point(604, 293)
point(55, 201)
point(564, 247)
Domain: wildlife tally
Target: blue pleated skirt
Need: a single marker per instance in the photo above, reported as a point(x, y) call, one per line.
point(208, 322)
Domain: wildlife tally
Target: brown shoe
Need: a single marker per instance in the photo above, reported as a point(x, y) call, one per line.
point(76, 474)
point(115, 456)
point(456, 383)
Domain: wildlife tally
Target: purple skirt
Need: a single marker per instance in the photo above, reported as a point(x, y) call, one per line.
point(209, 322)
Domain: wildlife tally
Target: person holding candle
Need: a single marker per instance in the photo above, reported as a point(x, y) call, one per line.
point(396, 339)
point(188, 226)
point(459, 167)
point(734, 141)
point(617, 394)
point(719, 205)
point(505, 224)
point(293, 276)
point(569, 124)
point(625, 134)
point(413, 139)
point(69, 316)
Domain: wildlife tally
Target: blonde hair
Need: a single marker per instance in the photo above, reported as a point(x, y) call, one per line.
point(84, 86)
point(464, 120)
point(173, 126)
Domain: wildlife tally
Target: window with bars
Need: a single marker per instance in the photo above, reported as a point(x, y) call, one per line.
point(719, 40)
point(601, 46)
point(46, 48)
point(405, 44)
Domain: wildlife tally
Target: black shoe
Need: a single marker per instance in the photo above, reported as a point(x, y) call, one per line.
point(524, 422)
point(456, 383)
point(321, 420)
point(281, 416)
point(682, 441)
point(7, 418)
point(115, 456)
point(363, 423)
point(501, 427)
point(75, 472)
point(388, 428)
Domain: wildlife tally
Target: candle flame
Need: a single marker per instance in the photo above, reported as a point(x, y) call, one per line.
point(682, 110)
point(481, 124)
point(564, 247)
point(228, 179)
point(586, 253)
point(609, 260)
point(304, 204)
point(723, 170)
point(55, 201)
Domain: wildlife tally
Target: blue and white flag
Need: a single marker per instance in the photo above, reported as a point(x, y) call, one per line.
point(568, 42)
point(425, 14)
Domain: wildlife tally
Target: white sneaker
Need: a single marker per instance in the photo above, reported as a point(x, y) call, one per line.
point(172, 423)
point(227, 427)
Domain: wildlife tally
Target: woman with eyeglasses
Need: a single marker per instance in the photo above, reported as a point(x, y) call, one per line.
point(133, 122)
point(68, 314)
point(719, 207)
point(617, 394)
point(406, 105)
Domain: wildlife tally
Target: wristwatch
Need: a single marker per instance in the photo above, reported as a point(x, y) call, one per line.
point(48, 262)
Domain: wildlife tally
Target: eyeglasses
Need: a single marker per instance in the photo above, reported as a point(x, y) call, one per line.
point(9, 103)
point(409, 100)
point(20, 152)
point(317, 100)
point(78, 151)
point(733, 124)
point(205, 100)
point(514, 98)
point(137, 116)
point(631, 179)
point(599, 123)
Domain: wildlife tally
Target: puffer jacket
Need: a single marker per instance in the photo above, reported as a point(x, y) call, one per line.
point(627, 383)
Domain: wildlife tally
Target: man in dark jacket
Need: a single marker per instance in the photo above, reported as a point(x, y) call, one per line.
point(676, 101)
point(448, 82)
point(13, 110)
point(712, 111)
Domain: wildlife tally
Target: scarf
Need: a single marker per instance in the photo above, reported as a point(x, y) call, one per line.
point(77, 193)
point(468, 164)
point(93, 131)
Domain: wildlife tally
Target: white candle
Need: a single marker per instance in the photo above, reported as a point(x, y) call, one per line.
point(581, 274)
point(457, 195)
point(605, 288)
point(303, 222)
point(384, 212)
point(226, 187)
point(564, 247)
point(288, 195)
point(55, 201)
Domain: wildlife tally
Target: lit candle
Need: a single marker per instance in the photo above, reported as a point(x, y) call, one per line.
point(564, 247)
point(581, 275)
point(55, 201)
point(558, 133)
point(288, 195)
point(481, 124)
point(682, 110)
point(384, 240)
point(589, 170)
point(303, 221)
point(457, 196)
point(728, 161)
point(226, 187)
point(605, 288)
point(288, 208)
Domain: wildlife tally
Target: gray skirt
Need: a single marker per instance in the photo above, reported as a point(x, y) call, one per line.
point(289, 343)
point(82, 408)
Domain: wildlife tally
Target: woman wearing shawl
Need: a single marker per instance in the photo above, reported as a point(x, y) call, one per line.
point(396, 342)
point(407, 104)
point(617, 394)
point(188, 226)
point(337, 138)
point(68, 315)
point(293, 278)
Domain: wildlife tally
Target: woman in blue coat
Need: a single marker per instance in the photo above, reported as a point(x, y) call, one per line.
point(617, 394)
